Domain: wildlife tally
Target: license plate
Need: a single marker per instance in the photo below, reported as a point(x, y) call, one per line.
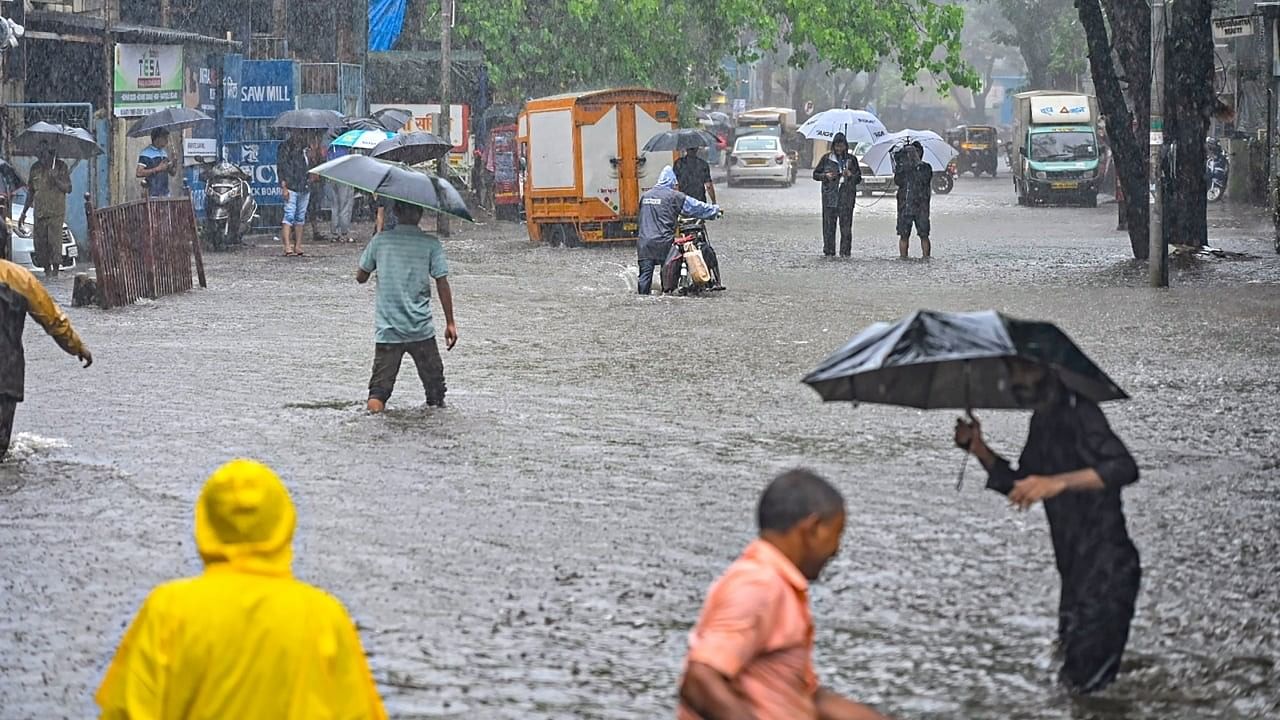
point(630, 227)
point(73, 251)
point(755, 162)
point(1065, 185)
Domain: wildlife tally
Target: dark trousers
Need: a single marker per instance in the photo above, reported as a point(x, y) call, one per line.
point(1094, 614)
point(644, 284)
point(830, 215)
point(8, 406)
point(386, 366)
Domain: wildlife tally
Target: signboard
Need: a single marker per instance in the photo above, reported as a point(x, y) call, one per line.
point(260, 88)
point(1233, 27)
point(258, 160)
point(147, 78)
point(426, 114)
point(1065, 109)
point(198, 147)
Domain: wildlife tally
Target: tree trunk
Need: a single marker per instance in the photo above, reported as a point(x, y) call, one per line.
point(765, 71)
point(1188, 103)
point(1122, 127)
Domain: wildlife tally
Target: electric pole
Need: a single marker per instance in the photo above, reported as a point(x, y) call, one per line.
point(446, 71)
point(1159, 254)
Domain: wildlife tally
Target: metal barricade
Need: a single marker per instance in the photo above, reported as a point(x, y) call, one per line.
point(143, 249)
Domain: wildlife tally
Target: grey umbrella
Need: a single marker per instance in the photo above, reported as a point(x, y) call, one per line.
point(396, 182)
point(68, 142)
point(681, 139)
point(412, 148)
point(169, 118)
point(393, 119)
point(308, 119)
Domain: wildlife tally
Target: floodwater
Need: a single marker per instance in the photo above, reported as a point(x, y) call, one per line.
point(540, 548)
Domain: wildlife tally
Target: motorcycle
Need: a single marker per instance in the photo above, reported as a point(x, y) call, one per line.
point(229, 207)
point(945, 181)
point(691, 266)
point(1216, 171)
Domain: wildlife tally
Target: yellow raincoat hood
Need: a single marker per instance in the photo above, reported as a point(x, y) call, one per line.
point(244, 639)
point(244, 517)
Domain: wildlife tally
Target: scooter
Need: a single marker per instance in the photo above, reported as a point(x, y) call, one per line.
point(1216, 171)
point(691, 266)
point(945, 180)
point(229, 207)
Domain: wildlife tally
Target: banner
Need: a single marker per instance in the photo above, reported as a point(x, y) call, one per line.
point(147, 78)
point(258, 160)
point(426, 114)
point(265, 89)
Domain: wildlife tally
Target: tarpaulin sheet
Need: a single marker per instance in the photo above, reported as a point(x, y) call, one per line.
point(386, 19)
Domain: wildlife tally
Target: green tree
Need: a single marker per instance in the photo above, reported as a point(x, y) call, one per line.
point(1048, 35)
point(535, 47)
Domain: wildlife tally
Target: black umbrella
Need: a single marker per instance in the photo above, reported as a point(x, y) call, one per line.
point(393, 119)
point(68, 142)
point(937, 360)
point(308, 119)
point(681, 139)
point(10, 178)
point(412, 148)
point(170, 118)
point(395, 181)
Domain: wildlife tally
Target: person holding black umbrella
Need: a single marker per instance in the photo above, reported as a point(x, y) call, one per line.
point(1076, 466)
point(693, 176)
point(840, 176)
point(48, 187)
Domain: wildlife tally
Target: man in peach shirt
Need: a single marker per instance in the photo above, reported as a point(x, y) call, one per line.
point(751, 653)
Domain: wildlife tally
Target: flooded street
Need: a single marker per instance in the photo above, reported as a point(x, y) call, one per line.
point(540, 548)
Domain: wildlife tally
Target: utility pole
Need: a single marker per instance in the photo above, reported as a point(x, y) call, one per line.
point(446, 72)
point(1159, 255)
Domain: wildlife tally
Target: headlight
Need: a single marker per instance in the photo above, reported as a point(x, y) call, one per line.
point(1041, 175)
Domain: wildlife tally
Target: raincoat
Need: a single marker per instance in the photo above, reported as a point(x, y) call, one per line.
point(1097, 561)
point(660, 210)
point(22, 294)
point(244, 640)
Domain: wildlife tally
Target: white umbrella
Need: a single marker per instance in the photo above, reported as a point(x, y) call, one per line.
point(857, 126)
point(936, 150)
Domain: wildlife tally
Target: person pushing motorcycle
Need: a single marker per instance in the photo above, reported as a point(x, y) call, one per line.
point(660, 211)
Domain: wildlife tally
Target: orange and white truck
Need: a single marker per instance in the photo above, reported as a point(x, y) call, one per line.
point(584, 167)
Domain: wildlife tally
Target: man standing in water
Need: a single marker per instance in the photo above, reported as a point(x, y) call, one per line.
point(840, 175)
point(47, 189)
point(914, 178)
point(751, 653)
point(407, 260)
point(21, 295)
point(1077, 466)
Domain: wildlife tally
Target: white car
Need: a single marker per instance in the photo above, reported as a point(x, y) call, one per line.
point(760, 158)
point(24, 244)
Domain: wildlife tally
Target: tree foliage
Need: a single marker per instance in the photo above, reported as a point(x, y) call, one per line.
point(537, 47)
point(1049, 36)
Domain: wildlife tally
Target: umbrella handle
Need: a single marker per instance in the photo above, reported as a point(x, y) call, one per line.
point(963, 464)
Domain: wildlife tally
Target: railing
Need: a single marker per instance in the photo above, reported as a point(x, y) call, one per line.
point(144, 249)
point(264, 47)
point(332, 86)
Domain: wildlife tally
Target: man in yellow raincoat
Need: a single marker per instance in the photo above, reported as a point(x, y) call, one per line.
point(244, 640)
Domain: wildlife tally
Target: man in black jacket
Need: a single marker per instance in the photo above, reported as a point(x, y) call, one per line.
point(914, 178)
point(840, 176)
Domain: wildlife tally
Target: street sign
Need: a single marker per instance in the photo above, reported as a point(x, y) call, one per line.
point(1233, 27)
point(199, 148)
point(146, 78)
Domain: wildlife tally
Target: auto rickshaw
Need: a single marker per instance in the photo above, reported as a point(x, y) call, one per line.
point(978, 149)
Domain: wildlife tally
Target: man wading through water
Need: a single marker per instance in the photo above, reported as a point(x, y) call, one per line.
point(407, 260)
point(660, 210)
point(1077, 466)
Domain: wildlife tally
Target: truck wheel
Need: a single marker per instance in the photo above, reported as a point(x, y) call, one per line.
point(553, 234)
point(1091, 200)
point(571, 239)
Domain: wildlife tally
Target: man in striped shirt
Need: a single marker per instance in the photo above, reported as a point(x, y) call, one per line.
point(406, 260)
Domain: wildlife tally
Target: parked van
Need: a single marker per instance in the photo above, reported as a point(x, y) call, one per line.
point(585, 171)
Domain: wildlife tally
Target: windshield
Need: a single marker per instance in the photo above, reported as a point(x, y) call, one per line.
point(1063, 146)
point(759, 144)
point(982, 135)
